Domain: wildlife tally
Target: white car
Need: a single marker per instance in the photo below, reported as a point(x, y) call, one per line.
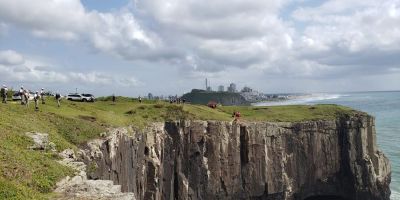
point(17, 97)
point(81, 97)
point(88, 97)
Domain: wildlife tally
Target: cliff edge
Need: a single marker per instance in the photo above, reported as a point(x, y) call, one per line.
point(183, 160)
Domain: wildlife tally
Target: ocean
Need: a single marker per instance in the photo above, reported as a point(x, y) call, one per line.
point(385, 106)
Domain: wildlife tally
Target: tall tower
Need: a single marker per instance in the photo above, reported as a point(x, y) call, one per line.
point(206, 84)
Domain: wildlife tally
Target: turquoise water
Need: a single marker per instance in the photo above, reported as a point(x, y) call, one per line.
point(385, 106)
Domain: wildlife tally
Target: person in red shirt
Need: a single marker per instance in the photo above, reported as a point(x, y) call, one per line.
point(236, 115)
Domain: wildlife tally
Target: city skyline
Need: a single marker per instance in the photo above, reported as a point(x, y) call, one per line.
point(133, 47)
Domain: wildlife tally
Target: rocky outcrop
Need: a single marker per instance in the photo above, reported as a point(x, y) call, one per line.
point(261, 160)
point(80, 188)
point(41, 141)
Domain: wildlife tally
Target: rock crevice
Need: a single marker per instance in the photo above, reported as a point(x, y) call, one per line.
point(260, 160)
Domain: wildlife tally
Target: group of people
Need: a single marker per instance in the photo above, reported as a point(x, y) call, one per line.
point(25, 96)
point(177, 100)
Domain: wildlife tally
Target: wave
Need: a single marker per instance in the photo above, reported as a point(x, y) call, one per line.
point(302, 100)
point(394, 195)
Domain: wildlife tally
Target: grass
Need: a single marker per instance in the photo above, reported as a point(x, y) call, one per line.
point(224, 98)
point(291, 113)
point(27, 174)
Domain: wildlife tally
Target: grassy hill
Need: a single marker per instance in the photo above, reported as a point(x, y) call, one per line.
point(225, 98)
point(27, 174)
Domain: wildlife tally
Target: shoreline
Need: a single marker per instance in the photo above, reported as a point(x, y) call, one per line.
point(300, 100)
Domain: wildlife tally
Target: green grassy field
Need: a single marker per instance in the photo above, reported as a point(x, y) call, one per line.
point(27, 174)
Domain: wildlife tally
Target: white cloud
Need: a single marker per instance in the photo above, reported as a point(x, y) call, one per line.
point(350, 37)
point(337, 38)
point(216, 35)
point(10, 57)
point(92, 77)
point(213, 19)
point(375, 26)
point(331, 8)
point(69, 20)
point(128, 82)
point(21, 68)
point(36, 71)
point(209, 30)
point(60, 17)
point(98, 78)
point(25, 72)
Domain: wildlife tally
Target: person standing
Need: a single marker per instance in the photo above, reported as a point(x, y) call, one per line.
point(36, 99)
point(236, 116)
point(58, 98)
point(140, 99)
point(27, 95)
point(42, 95)
point(4, 91)
point(22, 95)
point(113, 98)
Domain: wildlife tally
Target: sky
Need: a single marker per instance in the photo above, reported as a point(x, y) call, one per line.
point(133, 47)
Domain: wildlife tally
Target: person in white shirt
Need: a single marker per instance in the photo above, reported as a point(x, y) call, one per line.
point(42, 95)
point(36, 99)
point(4, 91)
point(27, 95)
point(22, 95)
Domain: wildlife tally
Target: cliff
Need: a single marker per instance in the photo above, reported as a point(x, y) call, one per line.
point(338, 159)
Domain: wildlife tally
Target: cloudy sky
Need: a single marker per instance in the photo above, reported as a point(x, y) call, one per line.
point(132, 47)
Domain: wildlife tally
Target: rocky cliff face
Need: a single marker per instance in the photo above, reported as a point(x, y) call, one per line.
point(221, 160)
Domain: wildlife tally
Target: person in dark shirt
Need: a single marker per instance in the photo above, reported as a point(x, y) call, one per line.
point(58, 98)
point(3, 92)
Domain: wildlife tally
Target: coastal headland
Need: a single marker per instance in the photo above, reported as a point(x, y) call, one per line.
point(159, 150)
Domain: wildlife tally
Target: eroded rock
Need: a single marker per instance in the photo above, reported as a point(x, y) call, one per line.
point(80, 188)
point(223, 160)
point(41, 141)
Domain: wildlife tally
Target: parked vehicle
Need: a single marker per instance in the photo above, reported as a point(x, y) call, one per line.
point(81, 97)
point(89, 97)
point(17, 97)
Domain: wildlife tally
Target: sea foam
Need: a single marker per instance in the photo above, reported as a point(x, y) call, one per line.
point(304, 99)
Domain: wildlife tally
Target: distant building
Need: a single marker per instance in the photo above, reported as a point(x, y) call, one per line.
point(209, 89)
point(247, 89)
point(221, 88)
point(150, 96)
point(251, 95)
point(232, 87)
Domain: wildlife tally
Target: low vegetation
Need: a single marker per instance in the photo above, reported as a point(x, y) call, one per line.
point(291, 113)
point(226, 98)
point(28, 174)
